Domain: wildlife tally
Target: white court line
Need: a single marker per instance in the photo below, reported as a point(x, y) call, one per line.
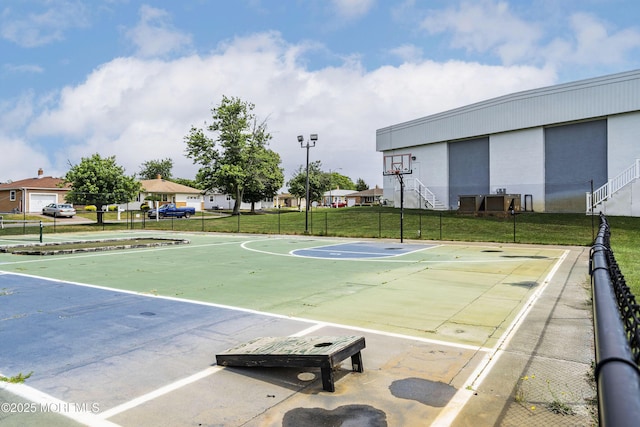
point(89, 419)
point(118, 252)
point(446, 416)
point(182, 383)
point(454, 407)
point(260, 313)
point(387, 259)
point(47, 403)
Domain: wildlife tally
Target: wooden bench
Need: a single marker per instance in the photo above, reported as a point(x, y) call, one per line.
point(324, 352)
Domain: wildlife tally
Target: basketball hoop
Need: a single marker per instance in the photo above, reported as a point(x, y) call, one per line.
point(396, 164)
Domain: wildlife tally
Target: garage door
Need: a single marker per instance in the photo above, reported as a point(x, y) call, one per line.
point(574, 155)
point(468, 169)
point(39, 201)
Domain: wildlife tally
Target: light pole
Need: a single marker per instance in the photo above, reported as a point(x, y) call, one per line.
point(330, 185)
point(312, 139)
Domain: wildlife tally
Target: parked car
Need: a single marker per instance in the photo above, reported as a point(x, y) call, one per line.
point(171, 209)
point(339, 204)
point(59, 209)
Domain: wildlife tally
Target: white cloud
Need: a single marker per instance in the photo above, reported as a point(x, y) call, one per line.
point(154, 35)
point(486, 26)
point(407, 53)
point(14, 114)
point(22, 68)
point(48, 26)
point(489, 26)
point(352, 9)
point(141, 109)
point(593, 43)
point(20, 159)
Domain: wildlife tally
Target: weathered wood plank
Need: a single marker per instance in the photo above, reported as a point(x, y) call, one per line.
point(323, 352)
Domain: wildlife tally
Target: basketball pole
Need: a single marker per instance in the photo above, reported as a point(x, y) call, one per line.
point(400, 178)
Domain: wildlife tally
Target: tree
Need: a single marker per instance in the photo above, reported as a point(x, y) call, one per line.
point(100, 181)
point(152, 168)
point(318, 182)
point(338, 181)
point(266, 177)
point(361, 185)
point(228, 163)
point(188, 182)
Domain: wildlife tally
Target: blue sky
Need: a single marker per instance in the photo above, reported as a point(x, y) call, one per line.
point(129, 78)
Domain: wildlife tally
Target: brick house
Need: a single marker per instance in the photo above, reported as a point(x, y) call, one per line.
point(30, 195)
point(371, 196)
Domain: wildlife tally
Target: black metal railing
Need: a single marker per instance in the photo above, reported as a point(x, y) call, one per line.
point(617, 343)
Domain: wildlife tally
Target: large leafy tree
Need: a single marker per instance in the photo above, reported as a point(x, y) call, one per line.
point(266, 177)
point(152, 168)
point(100, 181)
point(229, 163)
point(340, 181)
point(318, 182)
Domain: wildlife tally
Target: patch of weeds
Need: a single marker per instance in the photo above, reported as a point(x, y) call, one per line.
point(16, 379)
point(560, 408)
point(558, 405)
point(592, 402)
point(522, 392)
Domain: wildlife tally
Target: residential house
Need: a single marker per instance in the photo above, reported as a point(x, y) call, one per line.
point(286, 200)
point(30, 195)
point(215, 200)
point(372, 196)
point(170, 192)
point(335, 197)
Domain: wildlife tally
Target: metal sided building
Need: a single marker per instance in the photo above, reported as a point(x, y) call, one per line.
point(567, 148)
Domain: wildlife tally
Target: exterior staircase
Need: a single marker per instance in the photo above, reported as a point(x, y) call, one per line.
point(604, 193)
point(425, 195)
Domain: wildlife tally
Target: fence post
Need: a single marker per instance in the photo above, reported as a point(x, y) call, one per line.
point(326, 225)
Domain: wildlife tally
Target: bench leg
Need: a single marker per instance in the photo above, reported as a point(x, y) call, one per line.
point(356, 362)
point(327, 379)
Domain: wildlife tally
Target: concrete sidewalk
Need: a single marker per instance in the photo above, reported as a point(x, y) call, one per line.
point(544, 375)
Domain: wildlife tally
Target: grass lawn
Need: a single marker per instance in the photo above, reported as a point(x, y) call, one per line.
point(375, 222)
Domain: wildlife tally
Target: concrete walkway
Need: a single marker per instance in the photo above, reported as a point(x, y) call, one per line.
point(543, 376)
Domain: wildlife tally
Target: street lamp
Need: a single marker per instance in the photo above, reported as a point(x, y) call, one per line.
point(312, 139)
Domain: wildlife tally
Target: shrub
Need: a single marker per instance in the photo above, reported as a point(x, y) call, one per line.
point(90, 208)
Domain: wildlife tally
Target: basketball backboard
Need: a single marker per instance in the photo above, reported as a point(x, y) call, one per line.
point(396, 164)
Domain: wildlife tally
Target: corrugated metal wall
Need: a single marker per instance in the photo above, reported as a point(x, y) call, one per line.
point(569, 102)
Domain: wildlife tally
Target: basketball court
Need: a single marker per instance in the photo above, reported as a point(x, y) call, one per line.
point(129, 337)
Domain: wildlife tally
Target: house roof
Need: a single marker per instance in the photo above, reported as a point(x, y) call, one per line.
point(164, 186)
point(42, 183)
point(337, 193)
point(367, 193)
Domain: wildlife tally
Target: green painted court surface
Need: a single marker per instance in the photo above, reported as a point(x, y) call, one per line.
point(453, 292)
point(433, 315)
